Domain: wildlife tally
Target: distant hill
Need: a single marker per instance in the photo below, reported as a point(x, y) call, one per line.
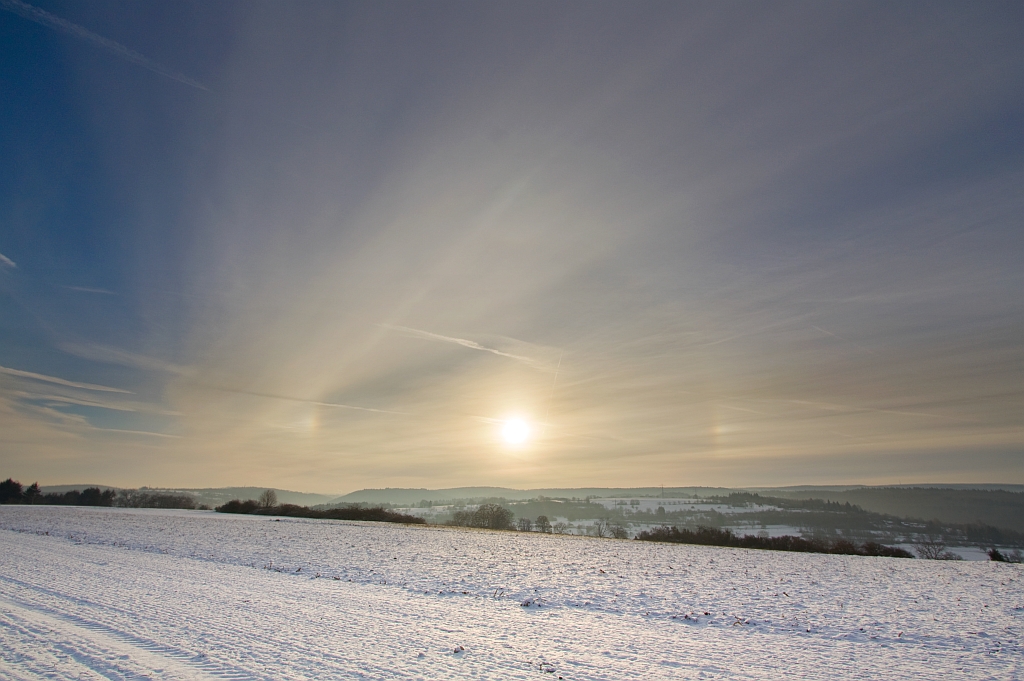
point(61, 489)
point(843, 488)
point(404, 496)
point(992, 504)
point(995, 505)
point(219, 495)
point(989, 504)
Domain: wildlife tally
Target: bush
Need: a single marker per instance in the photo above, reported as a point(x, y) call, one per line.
point(711, 536)
point(1008, 557)
point(375, 513)
point(875, 549)
point(238, 506)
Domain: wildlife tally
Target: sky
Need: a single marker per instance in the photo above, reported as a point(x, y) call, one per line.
point(326, 246)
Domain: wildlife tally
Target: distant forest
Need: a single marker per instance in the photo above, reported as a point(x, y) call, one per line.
point(998, 508)
point(13, 492)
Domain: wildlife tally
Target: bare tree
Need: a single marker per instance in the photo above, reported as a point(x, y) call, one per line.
point(560, 528)
point(524, 525)
point(543, 524)
point(268, 499)
point(934, 549)
point(492, 516)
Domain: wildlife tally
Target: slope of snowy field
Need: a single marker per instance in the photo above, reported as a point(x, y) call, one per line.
point(91, 593)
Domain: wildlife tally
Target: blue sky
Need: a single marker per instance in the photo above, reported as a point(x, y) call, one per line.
point(327, 246)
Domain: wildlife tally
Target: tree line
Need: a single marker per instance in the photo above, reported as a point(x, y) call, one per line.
point(13, 492)
point(713, 536)
point(267, 505)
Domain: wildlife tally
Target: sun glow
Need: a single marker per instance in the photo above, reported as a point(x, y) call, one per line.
point(515, 431)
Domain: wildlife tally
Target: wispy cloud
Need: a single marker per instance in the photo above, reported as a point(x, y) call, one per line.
point(4, 260)
point(147, 433)
point(472, 345)
point(87, 289)
point(108, 355)
point(285, 398)
point(43, 17)
point(60, 381)
point(134, 407)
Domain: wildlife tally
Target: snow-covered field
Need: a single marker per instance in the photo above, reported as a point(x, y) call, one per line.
point(129, 594)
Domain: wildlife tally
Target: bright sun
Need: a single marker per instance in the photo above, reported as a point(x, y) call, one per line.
point(515, 431)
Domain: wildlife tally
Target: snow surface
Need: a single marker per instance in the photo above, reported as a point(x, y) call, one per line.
point(159, 594)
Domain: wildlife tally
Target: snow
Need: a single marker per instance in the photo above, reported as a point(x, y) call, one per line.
point(649, 504)
point(128, 594)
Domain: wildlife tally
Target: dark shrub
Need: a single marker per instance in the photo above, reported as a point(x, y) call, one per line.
point(238, 506)
point(375, 513)
point(844, 547)
point(711, 536)
point(10, 492)
point(875, 549)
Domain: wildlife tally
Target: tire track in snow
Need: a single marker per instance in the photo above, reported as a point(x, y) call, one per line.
point(95, 567)
point(100, 643)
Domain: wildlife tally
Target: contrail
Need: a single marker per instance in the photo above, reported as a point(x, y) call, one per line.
point(43, 17)
point(4, 260)
point(472, 345)
point(60, 381)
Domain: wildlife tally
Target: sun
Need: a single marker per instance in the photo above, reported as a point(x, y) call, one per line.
point(515, 431)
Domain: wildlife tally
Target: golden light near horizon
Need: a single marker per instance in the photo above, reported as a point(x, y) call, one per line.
point(515, 431)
